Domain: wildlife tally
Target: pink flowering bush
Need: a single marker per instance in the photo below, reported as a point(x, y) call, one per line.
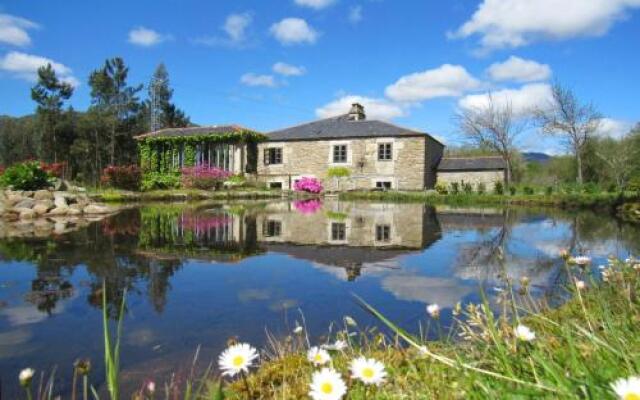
point(310, 206)
point(203, 177)
point(309, 185)
point(203, 223)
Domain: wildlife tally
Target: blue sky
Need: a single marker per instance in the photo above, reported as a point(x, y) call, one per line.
point(271, 64)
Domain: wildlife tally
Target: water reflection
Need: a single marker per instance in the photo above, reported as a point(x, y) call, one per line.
point(199, 273)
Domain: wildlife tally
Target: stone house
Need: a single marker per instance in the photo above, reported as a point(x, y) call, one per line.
point(350, 152)
point(473, 170)
point(347, 152)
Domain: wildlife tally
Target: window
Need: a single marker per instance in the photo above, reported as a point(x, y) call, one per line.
point(273, 156)
point(384, 185)
point(338, 231)
point(385, 152)
point(272, 228)
point(340, 153)
point(383, 233)
point(275, 185)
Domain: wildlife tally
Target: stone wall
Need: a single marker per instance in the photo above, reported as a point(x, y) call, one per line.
point(406, 171)
point(489, 178)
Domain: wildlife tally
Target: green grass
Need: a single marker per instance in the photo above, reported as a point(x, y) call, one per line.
point(562, 200)
point(579, 350)
point(121, 196)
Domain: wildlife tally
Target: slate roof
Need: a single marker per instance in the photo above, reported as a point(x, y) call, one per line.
point(194, 131)
point(471, 164)
point(341, 128)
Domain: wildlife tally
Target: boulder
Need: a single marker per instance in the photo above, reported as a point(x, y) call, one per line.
point(27, 214)
point(41, 209)
point(26, 203)
point(13, 198)
point(96, 209)
point(59, 201)
point(73, 211)
point(43, 195)
point(59, 211)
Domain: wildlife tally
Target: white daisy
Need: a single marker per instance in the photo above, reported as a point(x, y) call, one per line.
point(318, 356)
point(580, 260)
point(524, 334)
point(580, 285)
point(237, 358)
point(433, 310)
point(327, 384)
point(368, 370)
point(151, 387)
point(25, 376)
point(627, 389)
point(298, 330)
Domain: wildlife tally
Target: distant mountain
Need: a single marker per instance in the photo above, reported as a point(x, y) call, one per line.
point(536, 157)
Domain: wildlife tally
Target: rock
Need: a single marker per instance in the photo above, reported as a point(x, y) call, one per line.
point(13, 198)
point(77, 206)
point(26, 203)
point(59, 227)
point(96, 209)
point(43, 195)
point(59, 211)
point(73, 211)
point(27, 214)
point(41, 209)
point(59, 185)
point(27, 193)
point(59, 201)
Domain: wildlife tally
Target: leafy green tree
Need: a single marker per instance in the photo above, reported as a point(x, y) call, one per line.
point(50, 93)
point(167, 115)
point(119, 106)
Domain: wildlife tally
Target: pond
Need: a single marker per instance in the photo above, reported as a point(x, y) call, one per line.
point(198, 274)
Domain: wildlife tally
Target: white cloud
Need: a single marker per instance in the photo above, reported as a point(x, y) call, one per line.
point(522, 100)
point(251, 79)
point(316, 4)
point(614, 128)
point(515, 23)
point(25, 66)
point(519, 70)
point(145, 37)
point(13, 30)
point(374, 108)
point(236, 26)
point(444, 81)
point(294, 31)
point(355, 14)
point(288, 69)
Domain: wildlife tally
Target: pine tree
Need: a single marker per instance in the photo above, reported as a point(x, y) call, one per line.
point(163, 113)
point(50, 93)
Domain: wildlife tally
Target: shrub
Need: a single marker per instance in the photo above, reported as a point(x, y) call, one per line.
point(338, 172)
point(591, 188)
point(53, 169)
point(467, 188)
point(528, 190)
point(549, 190)
point(27, 175)
point(160, 180)
point(512, 190)
point(309, 185)
point(203, 177)
point(612, 188)
point(498, 188)
point(634, 184)
point(124, 177)
point(455, 188)
point(441, 188)
point(482, 188)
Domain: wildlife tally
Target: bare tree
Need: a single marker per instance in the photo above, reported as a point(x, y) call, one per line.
point(566, 116)
point(494, 126)
point(620, 158)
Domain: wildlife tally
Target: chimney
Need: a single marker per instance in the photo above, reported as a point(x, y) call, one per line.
point(357, 112)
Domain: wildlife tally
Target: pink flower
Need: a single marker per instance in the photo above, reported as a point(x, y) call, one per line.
point(307, 184)
point(308, 206)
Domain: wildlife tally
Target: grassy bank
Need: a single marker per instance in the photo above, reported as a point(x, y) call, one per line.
point(578, 351)
point(121, 196)
point(582, 200)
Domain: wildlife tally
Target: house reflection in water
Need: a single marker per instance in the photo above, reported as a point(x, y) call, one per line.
point(347, 235)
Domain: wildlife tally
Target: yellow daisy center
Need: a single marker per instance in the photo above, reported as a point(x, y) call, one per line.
point(326, 388)
point(368, 373)
point(632, 396)
point(238, 361)
point(318, 358)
